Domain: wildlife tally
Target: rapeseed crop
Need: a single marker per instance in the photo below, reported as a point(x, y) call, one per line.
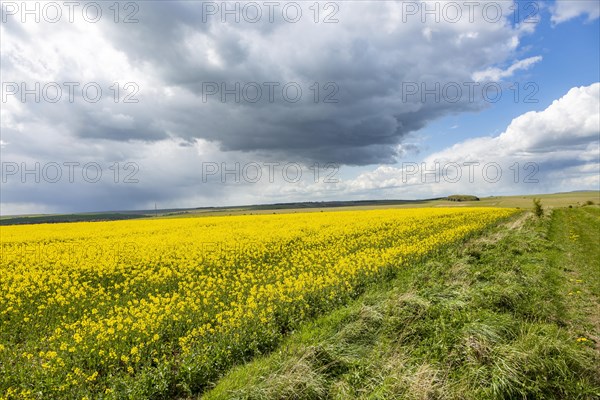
point(154, 307)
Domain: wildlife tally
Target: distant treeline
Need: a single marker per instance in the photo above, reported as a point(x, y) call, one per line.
point(462, 197)
point(54, 219)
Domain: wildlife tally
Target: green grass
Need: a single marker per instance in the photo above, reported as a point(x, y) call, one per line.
point(498, 317)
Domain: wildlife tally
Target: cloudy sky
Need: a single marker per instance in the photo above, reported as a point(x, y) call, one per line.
point(116, 106)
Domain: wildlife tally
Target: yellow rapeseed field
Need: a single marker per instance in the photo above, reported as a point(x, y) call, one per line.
point(146, 307)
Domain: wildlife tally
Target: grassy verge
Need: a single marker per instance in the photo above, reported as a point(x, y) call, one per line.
point(510, 314)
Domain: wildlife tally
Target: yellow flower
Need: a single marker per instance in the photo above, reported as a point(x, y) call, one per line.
point(92, 377)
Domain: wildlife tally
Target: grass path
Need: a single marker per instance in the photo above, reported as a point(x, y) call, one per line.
point(579, 232)
point(513, 313)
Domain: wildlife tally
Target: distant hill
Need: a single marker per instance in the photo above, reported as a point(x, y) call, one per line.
point(575, 198)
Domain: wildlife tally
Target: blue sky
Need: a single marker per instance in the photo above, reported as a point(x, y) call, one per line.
point(570, 58)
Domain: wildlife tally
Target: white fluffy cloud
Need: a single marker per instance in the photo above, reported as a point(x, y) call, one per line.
point(564, 10)
point(497, 74)
point(569, 123)
point(556, 149)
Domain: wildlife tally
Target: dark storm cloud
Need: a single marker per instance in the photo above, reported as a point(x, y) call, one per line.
point(360, 66)
point(367, 68)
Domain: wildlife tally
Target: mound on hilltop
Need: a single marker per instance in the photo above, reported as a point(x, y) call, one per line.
point(462, 197)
